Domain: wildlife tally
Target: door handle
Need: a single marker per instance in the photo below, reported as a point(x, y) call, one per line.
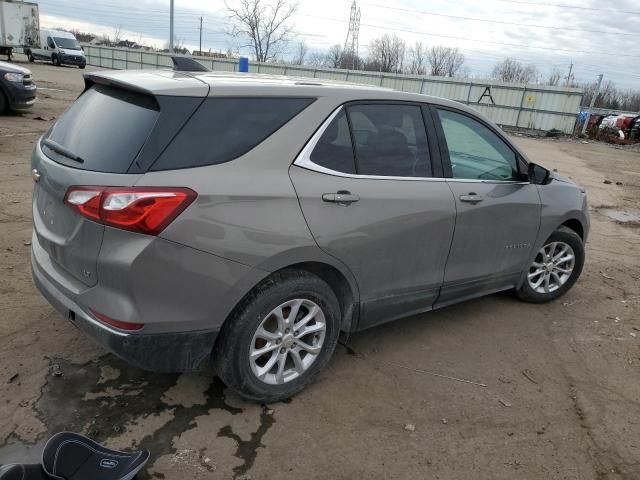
point(341, 197)
point(471, 198)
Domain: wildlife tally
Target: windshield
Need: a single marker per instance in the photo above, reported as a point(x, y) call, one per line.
point(71, 43)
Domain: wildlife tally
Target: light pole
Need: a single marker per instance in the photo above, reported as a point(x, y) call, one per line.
point(593, 101)
point(200, 35)
point(171, 27)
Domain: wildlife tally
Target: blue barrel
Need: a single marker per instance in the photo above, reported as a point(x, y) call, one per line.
point(243, 64)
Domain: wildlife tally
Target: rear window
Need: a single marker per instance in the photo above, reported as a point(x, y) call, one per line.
point(106, 127)
point(223, 129)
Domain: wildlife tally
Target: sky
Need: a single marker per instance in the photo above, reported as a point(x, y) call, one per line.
point(596, 36)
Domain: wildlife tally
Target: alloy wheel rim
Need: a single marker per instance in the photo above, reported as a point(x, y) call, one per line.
point(551, 268)
point(287, 341)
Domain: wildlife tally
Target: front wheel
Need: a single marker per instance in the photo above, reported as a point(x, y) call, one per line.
point(279, 337)
point(55, 60)
point(555, 269)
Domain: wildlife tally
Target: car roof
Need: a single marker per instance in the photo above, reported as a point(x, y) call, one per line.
point(169, 82)
point(59, 33)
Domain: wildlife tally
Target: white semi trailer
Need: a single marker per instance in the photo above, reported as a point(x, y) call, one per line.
point(19, 26)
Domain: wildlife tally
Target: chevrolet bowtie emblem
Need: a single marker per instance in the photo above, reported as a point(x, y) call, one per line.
point(35, 175)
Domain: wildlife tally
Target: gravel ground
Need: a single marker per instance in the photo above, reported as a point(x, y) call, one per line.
point(551, 391)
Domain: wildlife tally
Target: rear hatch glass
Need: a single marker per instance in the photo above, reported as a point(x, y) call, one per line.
point(103, 131)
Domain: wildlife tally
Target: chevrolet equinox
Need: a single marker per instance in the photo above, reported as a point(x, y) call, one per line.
point(253, 219)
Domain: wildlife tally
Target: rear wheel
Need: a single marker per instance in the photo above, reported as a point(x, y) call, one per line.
point(279, 338)
point(555, 269)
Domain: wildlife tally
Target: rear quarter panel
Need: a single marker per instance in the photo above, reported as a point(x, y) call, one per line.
point(247, 209)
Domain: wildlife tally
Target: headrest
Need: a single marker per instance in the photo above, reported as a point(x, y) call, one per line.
point(69, 456)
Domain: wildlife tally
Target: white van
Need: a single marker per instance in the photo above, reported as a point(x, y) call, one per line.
point(59, 48)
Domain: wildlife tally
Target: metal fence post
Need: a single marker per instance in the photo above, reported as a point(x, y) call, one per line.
point(524, 94)
point(469, 93)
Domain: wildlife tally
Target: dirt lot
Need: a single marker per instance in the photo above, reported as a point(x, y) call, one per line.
point(553, 391)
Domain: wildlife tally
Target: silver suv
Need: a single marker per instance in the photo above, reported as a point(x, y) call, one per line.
point(253, 219)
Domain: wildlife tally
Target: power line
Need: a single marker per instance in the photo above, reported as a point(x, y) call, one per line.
point(500, 22)
point(481, 40)
point(579, 7)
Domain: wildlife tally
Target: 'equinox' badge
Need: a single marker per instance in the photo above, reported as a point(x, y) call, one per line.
point(35, 174)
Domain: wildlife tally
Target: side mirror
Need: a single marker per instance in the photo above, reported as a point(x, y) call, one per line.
point(538, 175)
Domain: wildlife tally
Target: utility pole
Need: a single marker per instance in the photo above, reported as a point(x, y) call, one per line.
point(593, 101)
point(569, 76)
point(200, 35)
point(171, 26)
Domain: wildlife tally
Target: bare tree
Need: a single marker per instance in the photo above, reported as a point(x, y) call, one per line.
point(262, 24)
point(554, 78)
point(117, 34)
point(302, 50)
point(437, 58)
point(316, 59)
point(386, 54)
point(455, 61)
point(334, 56)
point(418, 59)
point(82, 36)
point(511, 70)
point(444, 61)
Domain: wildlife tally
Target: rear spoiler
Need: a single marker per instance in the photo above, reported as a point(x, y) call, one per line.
point(186, 64)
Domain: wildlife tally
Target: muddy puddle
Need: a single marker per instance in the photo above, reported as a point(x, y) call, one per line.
point(102, 397)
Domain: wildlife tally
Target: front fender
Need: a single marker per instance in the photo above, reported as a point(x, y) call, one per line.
point(561, 202)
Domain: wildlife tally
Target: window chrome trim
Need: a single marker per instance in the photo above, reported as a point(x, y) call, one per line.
point(304, 160)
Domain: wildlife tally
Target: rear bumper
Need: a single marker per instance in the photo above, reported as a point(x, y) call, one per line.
point(161, 352)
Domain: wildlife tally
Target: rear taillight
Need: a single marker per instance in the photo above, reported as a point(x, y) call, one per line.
point(146, 210)
point(117, 323)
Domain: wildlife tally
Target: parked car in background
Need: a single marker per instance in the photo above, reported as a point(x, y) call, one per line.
point(58, 47)
point(179, 216)
point(17, 90)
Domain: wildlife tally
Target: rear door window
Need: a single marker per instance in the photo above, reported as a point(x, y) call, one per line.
point(223, 129)
point(106, 128)
point(390, 140)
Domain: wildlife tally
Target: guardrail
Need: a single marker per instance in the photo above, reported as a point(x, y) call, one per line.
point(527, 106)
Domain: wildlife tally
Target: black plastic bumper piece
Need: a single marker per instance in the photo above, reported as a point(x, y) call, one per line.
point(161, 352)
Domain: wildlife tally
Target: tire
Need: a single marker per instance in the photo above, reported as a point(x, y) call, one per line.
point(561, 237)
point(82, 67)
point(4, 105)
point(239, 337)
point(55, 60)
point(30, 57)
